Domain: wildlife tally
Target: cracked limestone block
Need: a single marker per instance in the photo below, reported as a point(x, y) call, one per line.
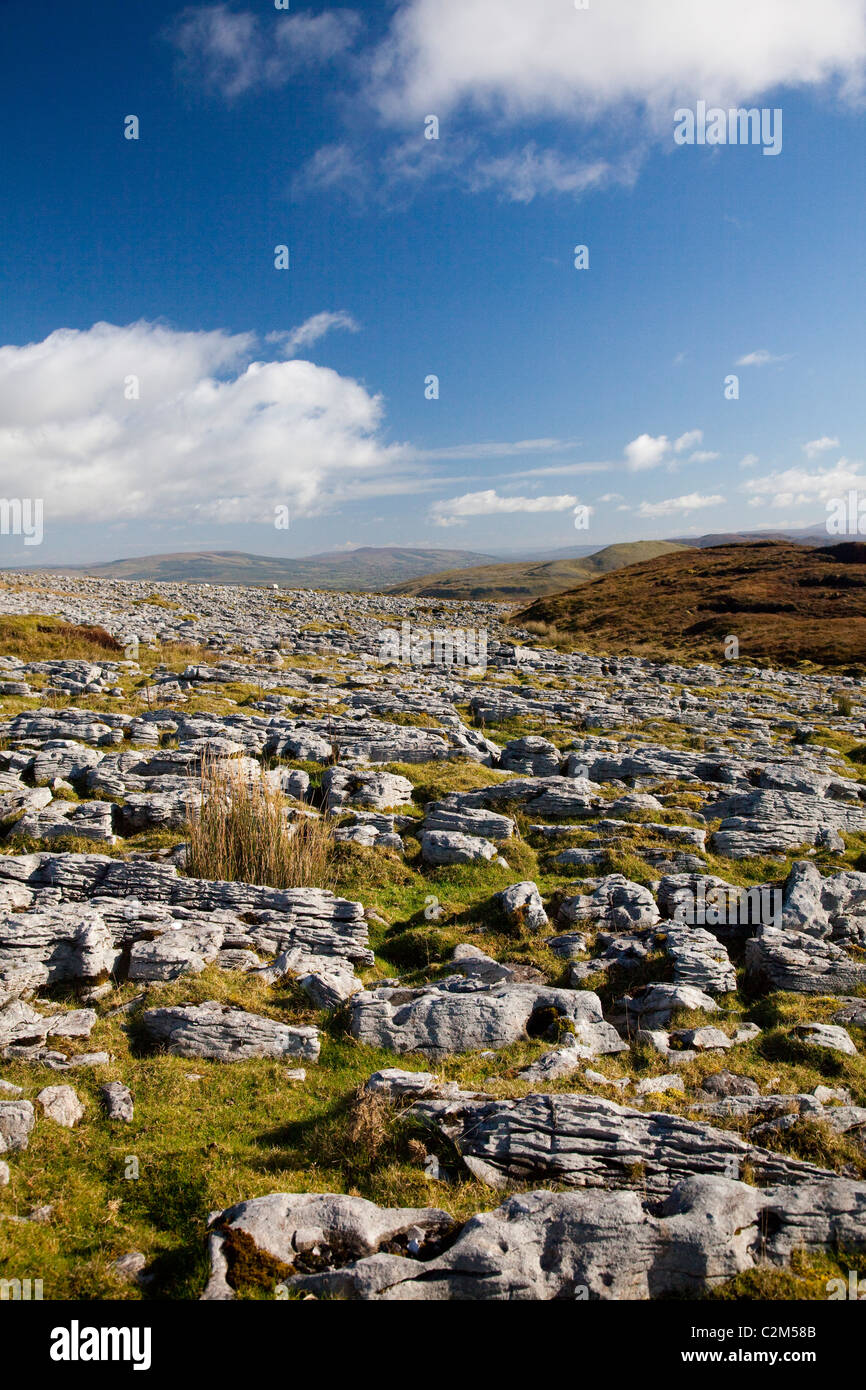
point(441, 847)
point(21, 800)
point(532, 757)
point(589, 1040)
point(65, 759)
point(117, 1100)
point(17, 1118)
point(86, 820)
point(302, 745)
point(460, 1015)
point(538, 1246)
point(828, 1035)
point(801, 963)
point(377, 791)
point(775, 822)
point(224, 1034)
point(586, 1141)
point(651, 1006)
point(475, 965)
point(61, 1104)
point(452, 817)
point(175, 952)
point(615, 902)
point(69, 944)
point(329, 988)
point(522, 906)
point(700, 959)
point(157, 810)
point(305, 1232)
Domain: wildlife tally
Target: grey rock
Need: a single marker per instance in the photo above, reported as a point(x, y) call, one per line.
point(522, 906)
point(700, 959)
point(450, 847)
point(826, 1035)
point(587, 1141)
point(61, 1104)
point(461, 1015)
point(224, 1034)
point(17, 1119)
point(307, 1231)
point(117, 1099)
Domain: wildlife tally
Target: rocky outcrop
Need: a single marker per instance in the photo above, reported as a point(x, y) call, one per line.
point(541, 1246)
point(223, 1034)
point(460, 1015)
point(584, 1141)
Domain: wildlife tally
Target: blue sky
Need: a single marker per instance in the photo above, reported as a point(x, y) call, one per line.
point(305, 388)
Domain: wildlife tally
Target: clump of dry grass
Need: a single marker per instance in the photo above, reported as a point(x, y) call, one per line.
point(240, 834)
point(36, 638)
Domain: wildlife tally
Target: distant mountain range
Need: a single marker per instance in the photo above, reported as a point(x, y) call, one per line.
point(367, 568)
point(518, 583)
point(806, 535)
point(520, 576)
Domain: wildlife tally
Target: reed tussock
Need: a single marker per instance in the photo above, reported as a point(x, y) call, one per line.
point(240, 834)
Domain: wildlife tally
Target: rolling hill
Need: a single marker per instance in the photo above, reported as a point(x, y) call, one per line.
point(785, 604)
point(517, 583)
point(367, 568)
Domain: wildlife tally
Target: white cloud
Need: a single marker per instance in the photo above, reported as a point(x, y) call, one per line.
point(563, 470)
point(647, 451)
point(749, 461)
point(492, 450)
point(820, 446)
point(312, 330)
point(514, 59)
point(761, 358)
point(523, 175)
point(703, 456)
point(234, 53)
point(688, 441)
point(675, 506)
point(453, 511)
point(216, 435)
point(804, 487)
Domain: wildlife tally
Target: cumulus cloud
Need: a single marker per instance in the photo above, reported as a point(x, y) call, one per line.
point(798, 487)
point(689, 440)
point(679, 506)
point(513, 59)
point(647, 451)
point(820, 446)
point(235, 53)
point(215, 434)
point(453, 511)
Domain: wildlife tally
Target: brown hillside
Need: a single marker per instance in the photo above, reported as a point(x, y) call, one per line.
point(529, 579)
point(785, 603)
